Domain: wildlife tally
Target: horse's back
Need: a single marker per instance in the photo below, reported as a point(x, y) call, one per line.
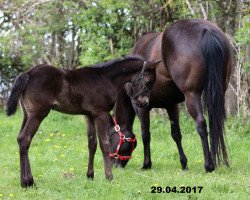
point(69, 91)
point(148, 46)
point(44, 84)
point(45, 76)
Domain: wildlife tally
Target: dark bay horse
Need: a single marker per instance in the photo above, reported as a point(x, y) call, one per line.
point(90, 91)
point(196, 59)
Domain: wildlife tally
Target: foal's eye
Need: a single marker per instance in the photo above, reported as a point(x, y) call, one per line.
point(149, 82)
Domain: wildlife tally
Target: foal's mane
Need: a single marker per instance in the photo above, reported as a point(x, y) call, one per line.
point(149, 32)
point(115, 61)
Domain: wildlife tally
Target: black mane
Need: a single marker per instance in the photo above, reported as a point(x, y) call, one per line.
point(115, 61)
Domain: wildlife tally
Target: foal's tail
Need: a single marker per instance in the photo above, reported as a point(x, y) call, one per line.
point(216, 52)
point(18, 87)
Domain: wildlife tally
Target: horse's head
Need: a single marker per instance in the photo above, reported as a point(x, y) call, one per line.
point(122, 144)
point(140, 86)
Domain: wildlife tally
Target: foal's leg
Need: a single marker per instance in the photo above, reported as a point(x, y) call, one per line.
point(173, 113)
point(24, 139)
point(102, 126)
point(92, 143)
point(144, 117)
point(193, 103)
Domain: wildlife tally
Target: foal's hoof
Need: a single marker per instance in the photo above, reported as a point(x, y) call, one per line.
point(90, 176)
point(184, 165)
point(109, 177)
point(146, 166)
point(185, 168)
point(29, 182)
point(183, 162)
point(210, 168)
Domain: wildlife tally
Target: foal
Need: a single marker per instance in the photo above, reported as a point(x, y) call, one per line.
point(90, 91)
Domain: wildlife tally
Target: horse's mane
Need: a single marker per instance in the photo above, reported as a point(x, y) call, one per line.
point(115, 61)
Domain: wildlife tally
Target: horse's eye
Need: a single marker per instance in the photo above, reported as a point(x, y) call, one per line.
point(149, 82)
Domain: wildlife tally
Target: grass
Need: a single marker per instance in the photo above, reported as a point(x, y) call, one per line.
point(59, 154)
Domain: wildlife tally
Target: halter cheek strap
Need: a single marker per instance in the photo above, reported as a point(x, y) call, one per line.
point(123, 139)
point(140, 78)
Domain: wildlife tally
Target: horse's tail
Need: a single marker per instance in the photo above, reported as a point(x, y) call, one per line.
point(17, 89)
point(216, 52)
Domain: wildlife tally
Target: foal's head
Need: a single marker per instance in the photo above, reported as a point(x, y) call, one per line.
point(122, 144)
point(140, 86)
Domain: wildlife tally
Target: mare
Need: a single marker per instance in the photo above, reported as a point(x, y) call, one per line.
point(89, 91)
point(196, 59)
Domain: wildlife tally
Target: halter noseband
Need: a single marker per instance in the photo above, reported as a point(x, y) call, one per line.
point(122, 140)
point(140, 78)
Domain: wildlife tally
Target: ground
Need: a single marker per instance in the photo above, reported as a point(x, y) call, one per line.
point(59, 154)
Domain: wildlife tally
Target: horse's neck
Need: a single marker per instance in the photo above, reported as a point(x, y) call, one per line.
point(122, 72)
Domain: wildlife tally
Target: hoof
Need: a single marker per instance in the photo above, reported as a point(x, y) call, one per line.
point(209, 168)
point(26, 183)
point(90, 176)
point(110, 177)
point(146, 166)
point(185, 168)
point(183, 162)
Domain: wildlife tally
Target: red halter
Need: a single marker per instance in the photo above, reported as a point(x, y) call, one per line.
point(122, 140)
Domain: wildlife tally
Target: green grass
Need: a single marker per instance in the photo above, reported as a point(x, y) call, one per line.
point(60, 147)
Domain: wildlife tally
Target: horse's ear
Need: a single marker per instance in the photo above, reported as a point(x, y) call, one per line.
point(154, 64)
point(128, 87)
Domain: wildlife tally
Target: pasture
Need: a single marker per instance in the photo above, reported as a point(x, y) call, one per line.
point(59, 154)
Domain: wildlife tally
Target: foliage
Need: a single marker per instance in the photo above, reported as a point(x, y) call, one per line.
point(243, 40)
point(242, 34)
point(67, 33)
point(104, 30)
point(59, 154)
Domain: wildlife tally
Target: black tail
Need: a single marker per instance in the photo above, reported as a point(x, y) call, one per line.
point(18, 87)
point(216, 52)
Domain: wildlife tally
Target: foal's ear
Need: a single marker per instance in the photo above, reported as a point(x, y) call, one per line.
point(154, 64)
point(128, 87)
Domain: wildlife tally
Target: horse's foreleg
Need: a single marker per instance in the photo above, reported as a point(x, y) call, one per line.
point(102, 126)
point(173, 113)
point(144, 118)
point(193, 103)
point(92, 143)
point(24, 139)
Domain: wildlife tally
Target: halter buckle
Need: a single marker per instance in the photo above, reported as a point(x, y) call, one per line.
point(117, 128)
point(140, 75)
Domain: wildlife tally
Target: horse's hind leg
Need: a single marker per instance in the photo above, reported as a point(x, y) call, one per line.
point(102, 128)
point(173, 113)
point(24, 139)
point(25, 116)
point(144, 118)
point(193, 103)
point(92, 144)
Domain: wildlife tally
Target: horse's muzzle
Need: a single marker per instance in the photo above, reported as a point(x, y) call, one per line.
point(142, 102)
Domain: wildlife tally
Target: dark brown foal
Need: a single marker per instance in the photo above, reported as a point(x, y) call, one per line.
point(90, 91)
